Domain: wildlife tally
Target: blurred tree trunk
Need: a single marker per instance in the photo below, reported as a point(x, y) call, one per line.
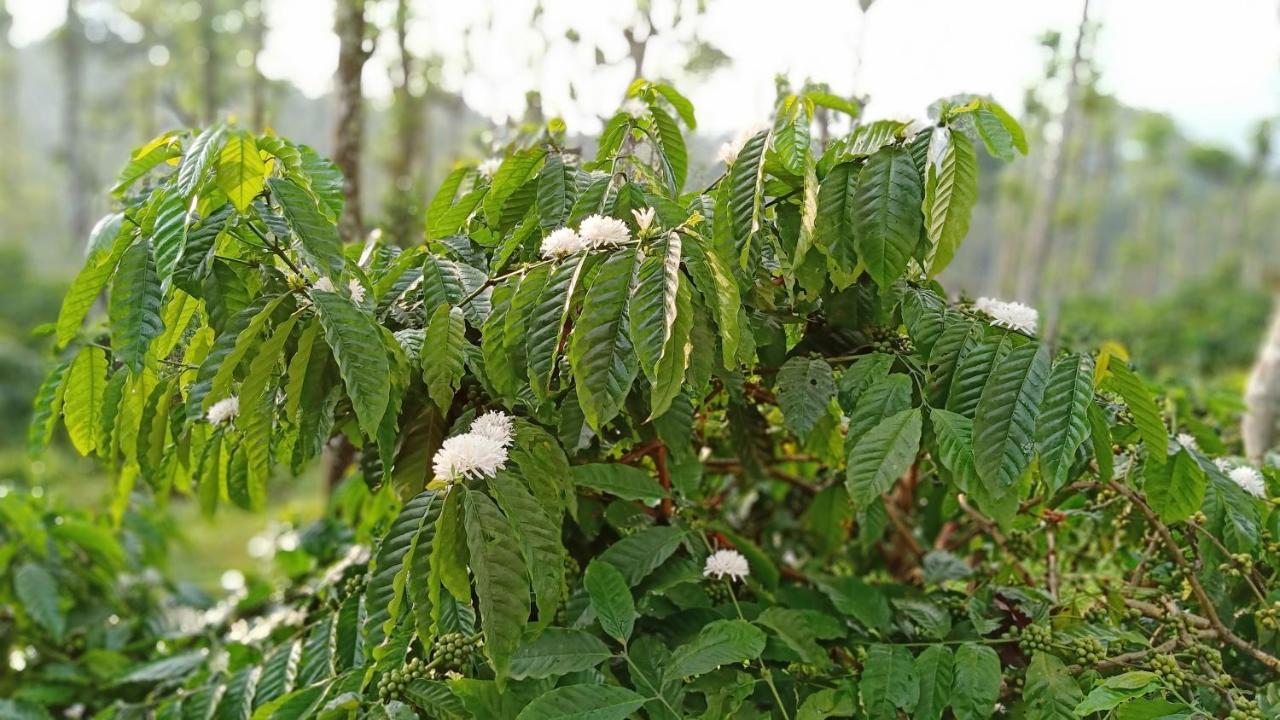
point(1039, 241)
point(404, 162)
point(1262, 393)
point(351, 26)
point(348, 129)
point(72, 47)
point(257, 82)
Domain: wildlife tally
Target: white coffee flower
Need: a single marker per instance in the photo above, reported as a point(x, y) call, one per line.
point(357, 290)
point(324, 284)
point(1188, 441)
point(562, 242)
point(599, 231)
point(490, 166)
point(1249, 480)
point(1222, 464)
point(635, 107)
point(1010, 314)
point(468, 456)
point(223, 410)
point(644, 218)
point(495, 425)
point(727, 562)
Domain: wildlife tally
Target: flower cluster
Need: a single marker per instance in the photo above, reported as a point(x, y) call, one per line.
point(223, 410)
point(489, 166)
point(481, 452)
point(594, 233)
point(727, 562)
point(1009, 314)
point(1188, 441)
point(1249, 480)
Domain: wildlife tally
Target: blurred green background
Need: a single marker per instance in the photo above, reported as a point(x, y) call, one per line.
point(1146, 212)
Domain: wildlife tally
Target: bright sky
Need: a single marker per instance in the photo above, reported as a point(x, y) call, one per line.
point(1214, 66)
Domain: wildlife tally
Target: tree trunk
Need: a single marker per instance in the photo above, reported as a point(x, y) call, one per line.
point(72, 131)
point(1262, 394)
point(257, 82)
point(348, 128)
point(1039, 243)
point(402, 205)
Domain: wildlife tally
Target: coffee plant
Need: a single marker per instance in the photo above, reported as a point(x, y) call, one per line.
point(623, 448)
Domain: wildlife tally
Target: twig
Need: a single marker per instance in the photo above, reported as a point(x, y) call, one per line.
point(994, 532)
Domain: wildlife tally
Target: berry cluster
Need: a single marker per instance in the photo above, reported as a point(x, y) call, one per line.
point(1035, 637)
point(1019, 542)
point(888, 340)
point(1088, 650)
point(451, 652)
point(393, 682)
point(1240, 564)
point(1245, 710)
point(1166, 666)
point(1269, 617)
point(719, 592)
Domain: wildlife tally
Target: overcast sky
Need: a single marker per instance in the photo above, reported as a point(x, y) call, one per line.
point(1215, 66)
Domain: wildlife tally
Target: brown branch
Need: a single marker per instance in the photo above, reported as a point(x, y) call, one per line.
point(664, 477)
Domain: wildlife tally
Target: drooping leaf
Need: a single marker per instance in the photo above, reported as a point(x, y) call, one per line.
point(600, 351)
point(502, 584)
point(610, 599)
point(886, 214)
point(318, 239)
point(38, 591)
point(889, 682)
point(583, 702)
point(624, 481)
point(84, 389)
point(557, 651)
point(720, 642)
point(1175, 489)
point(1146, 415)
point(950, 194)
point(443, 352)
point(805, 389)
point(977, 682)
point(883, 455)
point(362, 358)
point(241, 171)
point(1005, 422)
point(1064, 424)
point(1049, 691)
point(135, 306)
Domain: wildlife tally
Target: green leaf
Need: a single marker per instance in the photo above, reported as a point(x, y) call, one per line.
point(1146, 415)
point(199, 157)
point(883, 455)
point(558, 651)
point(1233, 513)
point(977, 682)
point(37, 589)
point(1011, 126)
point(623, 481)
point(974, 368)
point(443, 352)
point(82, 397)
point(1049, 691)
point(449, 550)
point(362, 358)
point(600, 351)
point(886, 214)
point(805, 389)
point(583, 702)
point(241, 172)
point(719, 288)
point(257, 408)
point(639, 554)
point(950, 194)
point(390, 569)
point(1006, 417)
point(1100, 439)
point(135, 306)
point(720, 642)
point(954, 433)
point(143, 160)
point(888, 682)
point(860, 601)
point(318, 239)
point(884, 397)
point(935, 668)
point(746, 190)
point(501, 581)
point(1064, 416)
point(834, 230)
point(676, 354)
point(652, 307)
point(554, 198)
point(539, 536)
point(801, 630)
point(1117, 689)
point(547, 321)
point(672, 144)
point(516, 169)
point(1175, 489)
point(610, 599)
point(88, 284)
